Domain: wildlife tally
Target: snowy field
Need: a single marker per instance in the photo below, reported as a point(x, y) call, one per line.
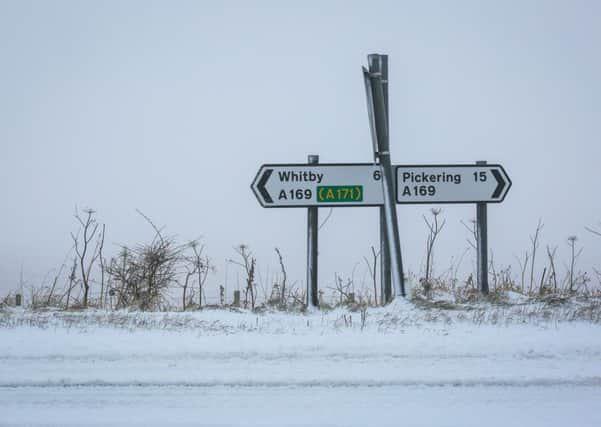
point(400, 366)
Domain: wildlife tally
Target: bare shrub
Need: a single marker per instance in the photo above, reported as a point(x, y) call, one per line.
point(248, 262)
point(372, 268)
point(282, 287)
point(553, 273)
point(572, 243)
point(88, 228)
point(523, 267)
point(141, 276)
point(534, 241)
point(199, 265)
point(8, 300)
point(434, 229)
point(344, 290)
point(187, 299)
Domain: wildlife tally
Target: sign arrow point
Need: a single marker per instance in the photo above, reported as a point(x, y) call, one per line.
point(501, 183)
point(262, 183)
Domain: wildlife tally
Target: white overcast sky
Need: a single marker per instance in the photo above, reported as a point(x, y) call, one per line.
point(171, 107)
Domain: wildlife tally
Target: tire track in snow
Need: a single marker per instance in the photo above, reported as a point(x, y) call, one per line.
point(479, 382)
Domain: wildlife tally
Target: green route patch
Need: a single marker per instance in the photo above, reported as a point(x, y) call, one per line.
point(339, 193)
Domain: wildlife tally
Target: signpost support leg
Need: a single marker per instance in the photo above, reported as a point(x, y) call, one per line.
point(380, 113)
point(312, 233)
point(385, 273)
point(482, 244)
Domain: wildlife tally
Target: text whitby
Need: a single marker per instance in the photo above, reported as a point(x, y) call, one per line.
point(300, 176)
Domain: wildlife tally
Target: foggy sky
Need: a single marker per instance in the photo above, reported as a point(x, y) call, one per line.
point(171, 107)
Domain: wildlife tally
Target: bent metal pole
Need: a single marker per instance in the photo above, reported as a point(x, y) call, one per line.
point(379, 64)
point(381, 127)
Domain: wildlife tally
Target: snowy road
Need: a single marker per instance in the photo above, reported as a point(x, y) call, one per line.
point(301, 371)
point(302, 406)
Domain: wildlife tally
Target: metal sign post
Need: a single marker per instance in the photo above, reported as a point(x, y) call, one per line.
point(381, 130)
point(482, 243)
point(379, 64)
point(385, 272)
point(312, 236)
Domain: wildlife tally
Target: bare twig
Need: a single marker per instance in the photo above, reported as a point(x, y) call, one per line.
point(248, 263)
point(434, 227)
point(89, 227)
point(534, 241)
point(553, 275)
point(284, 276)
point(572, 243)
point(592, 230)
point(371, 266)
point(473, 232)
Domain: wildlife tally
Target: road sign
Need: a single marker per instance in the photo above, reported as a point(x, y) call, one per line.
point(435, 184)
point(360, 184)
point(324, 185)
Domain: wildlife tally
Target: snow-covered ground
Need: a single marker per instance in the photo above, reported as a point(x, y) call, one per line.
point(402, 366)
point(301, 406)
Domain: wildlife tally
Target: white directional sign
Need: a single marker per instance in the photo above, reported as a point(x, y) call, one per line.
point(360, 184)
point(326, 185)
point(451, 183)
